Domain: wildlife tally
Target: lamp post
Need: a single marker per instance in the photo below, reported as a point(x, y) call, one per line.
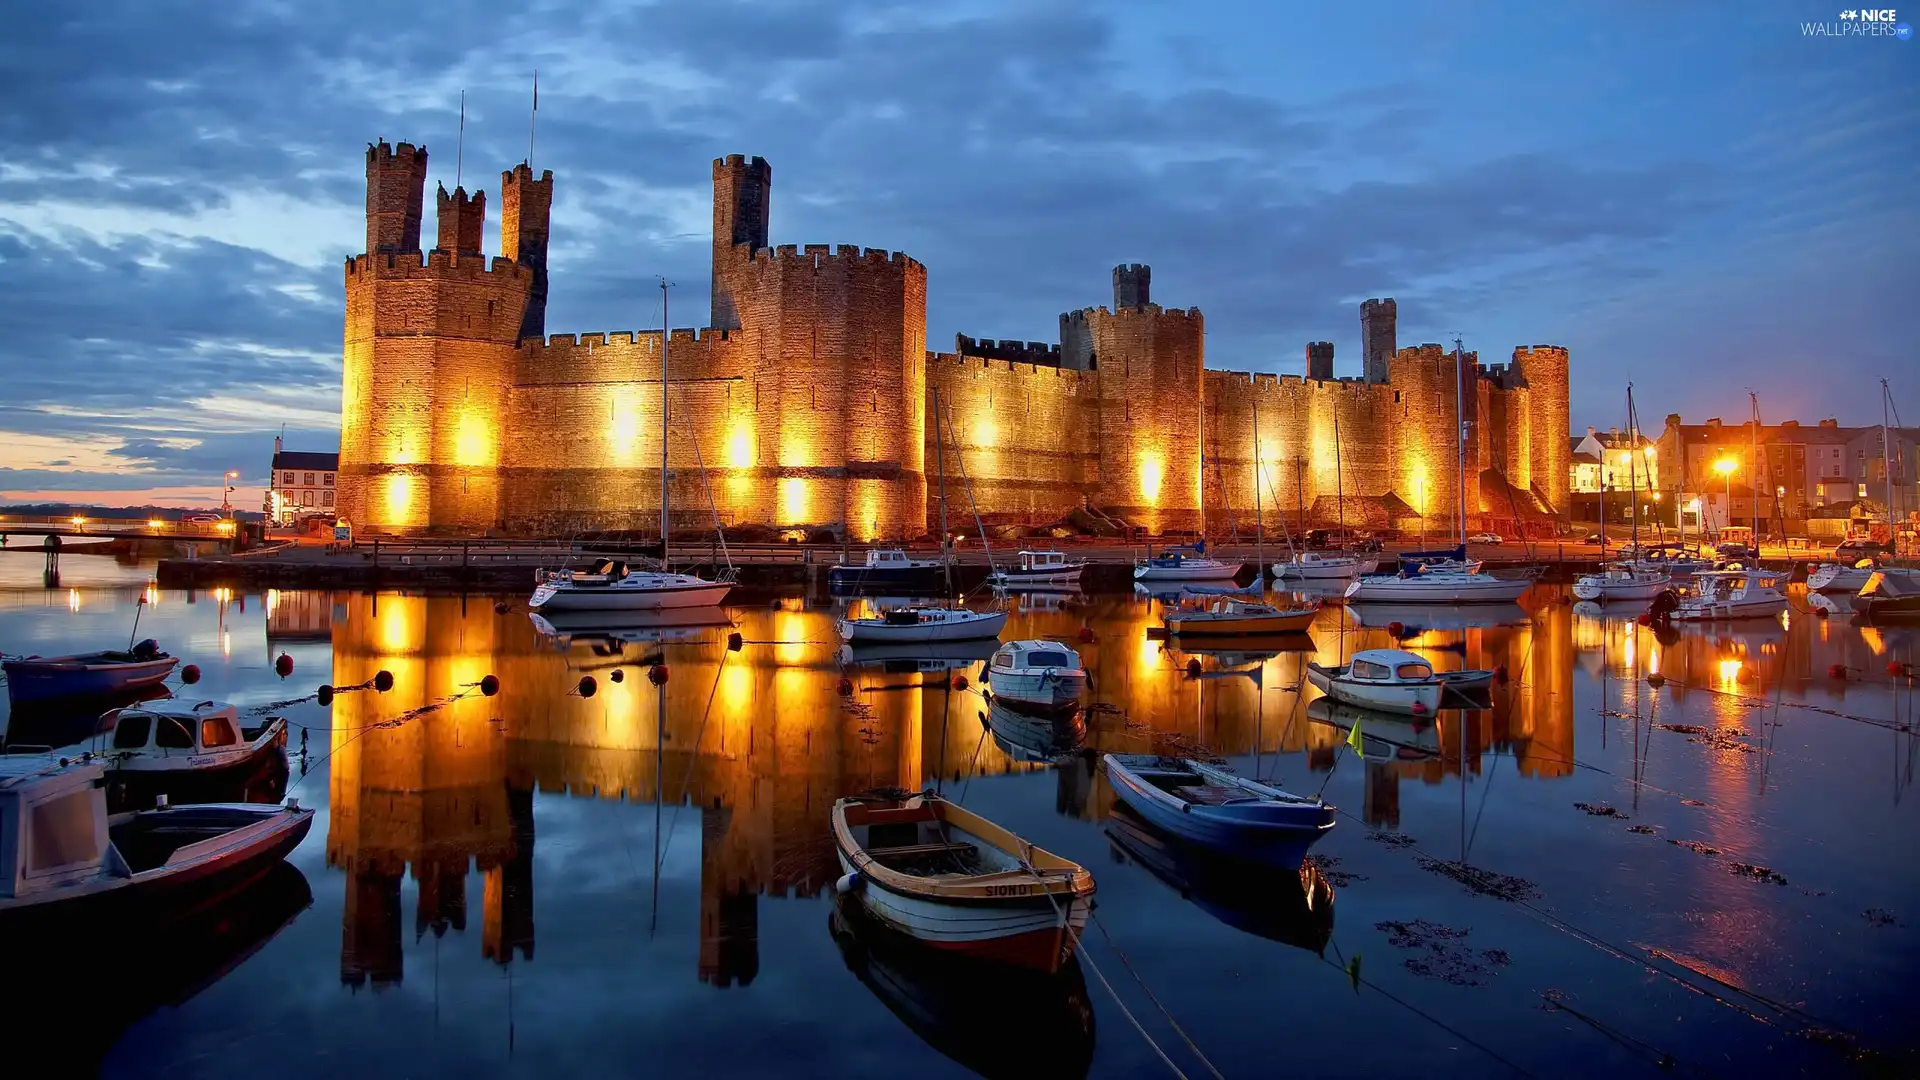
point(226, 506)
point(1725, 467)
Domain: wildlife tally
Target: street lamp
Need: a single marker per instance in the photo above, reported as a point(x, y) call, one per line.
point(1725, 467)
point(226, 505)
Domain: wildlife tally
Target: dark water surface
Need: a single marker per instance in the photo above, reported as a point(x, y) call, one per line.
point(538, 884)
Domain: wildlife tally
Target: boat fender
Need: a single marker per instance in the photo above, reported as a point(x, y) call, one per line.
point(657, 674)
point(1896, 669)
point(1819, 613)
point(1396, 628)
point(1186, 808)
point(383, 680)
point(324, 695)
point(489, 685)
point(283, 665)
point(617, 676)
point(190, 674)
point(849, 882)
point(959, 682)
point(1419, 709)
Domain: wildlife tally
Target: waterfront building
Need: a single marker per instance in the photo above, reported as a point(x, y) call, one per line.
point(301, 482)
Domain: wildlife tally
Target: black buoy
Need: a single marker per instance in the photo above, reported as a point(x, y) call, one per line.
point(734, 641)
point(383, 680)
point(618, 676)
point(489, 685)
point(586, 686)
point(324, 695)
point(501, 608)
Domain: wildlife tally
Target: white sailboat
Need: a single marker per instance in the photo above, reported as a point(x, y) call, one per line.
point(612, 585)
point(1176, 565)
point(1638, 579)
point(1430, 584)
point(1843, 577)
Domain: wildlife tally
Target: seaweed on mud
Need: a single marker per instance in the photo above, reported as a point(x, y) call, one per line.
point(1441, 954)
point(1643, 830)
point(1757, 873)
point(1683, 729)
point(1696, 847)
point(1329, 868)
point(1720, 738)
point(1485, 882)
point(1880, 917)
point(1691, 802)
point(1391, 839)
point(1599, 810)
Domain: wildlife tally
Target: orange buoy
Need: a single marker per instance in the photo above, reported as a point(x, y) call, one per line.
point(1819, 613)
point(190, 674)
point(1086, 635)
point(1419, 709)
point(657, 674)
point(959, 682)
point(1896, 668)
point(1836, 671)
point(1396, 628)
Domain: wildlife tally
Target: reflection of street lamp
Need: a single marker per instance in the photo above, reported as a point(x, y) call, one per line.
point(1725, 467)
point(225, 497)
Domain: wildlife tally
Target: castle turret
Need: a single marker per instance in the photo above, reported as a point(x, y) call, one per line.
point(1545, 369)
point(463, 220)
point(1320, 360)
point(1378, 337)
point(742, 197)
point(1132, 286)
point(396, 186)
point(526, 204)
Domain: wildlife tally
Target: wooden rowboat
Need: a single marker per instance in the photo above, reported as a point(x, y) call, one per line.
point(1217, 809)
point(954, 880)
point(1232, 617)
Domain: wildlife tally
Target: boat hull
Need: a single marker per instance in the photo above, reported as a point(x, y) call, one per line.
point(1325, 569)
point(1048, 691)
point(52, 679)
point(908, 577)
point(1027, 932)
point(1211, 571)
point(875, 632)
point(1432, 589)
point(1730, 611)
point(551, 597)
point(1273, 833)
point(262, 770)
point(1407, 699)
point(1838, 579)
point(1601, 589)
point(1237, 626)
point(1016, 578)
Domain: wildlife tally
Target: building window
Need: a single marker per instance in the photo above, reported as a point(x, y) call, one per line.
point(1863, 491)
point(286, 479)
point(328, 479)
point(309, 479)
point(326, 498)
point(306, 498)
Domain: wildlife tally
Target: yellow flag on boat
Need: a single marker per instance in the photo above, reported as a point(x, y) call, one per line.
point(1353, 737)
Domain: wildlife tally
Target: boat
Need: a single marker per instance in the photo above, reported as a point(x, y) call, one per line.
point(1383, 736)
point(1231, 616)
point(1037, 676)
point(1291, 906)
point(1448, 560)
point(1040, 568)
point(617, 628)
point(923, 624)
point(907, 656)
point(1419, 618)
point(950, 999)
point(1622, 581)
point(1034, 737)
point(888, 567)
point(1889, 594)
point(1719, 595)
point(186, 752)
point(1319, 566)
point(122, 869)
point(32, 679)
point(1429, 586)
point(1236, 652)
point(1217, 809)
point(611, 585)
point(1390, 680)
point(947, 877)
point(1175, 565)
point(1839, 577)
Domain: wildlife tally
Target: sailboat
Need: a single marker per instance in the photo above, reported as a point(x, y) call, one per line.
point(1635, 580)
point(611, 585)
point(1173, 564)
point(1851, 576)
point(921, 623)
point(1426, 583)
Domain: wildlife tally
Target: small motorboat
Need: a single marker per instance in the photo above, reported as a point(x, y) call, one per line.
point(1283, 904)
point(1842, 577)
point(611, 585)
point(1723, 595)
point(888, 567)
point(1622, 581)
point(1390, 680)
point(113, 871)
point(1427, 585)
point(1232, 616)
point(186, 752)
point(923, 624)
point(98, 674)
point(1037, 676)
point(1324, 566)
point(1889, 594)
point(1040, 568)
point(954, 880)
point(1034, 737)
point(948, 999)
point(1217, 809)
point(1383, 736)
point(1175, 565)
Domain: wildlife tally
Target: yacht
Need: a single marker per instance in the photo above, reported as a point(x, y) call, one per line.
point(1040, 568)
point(1719, 595)
point(888, 567)
point(611, 585)
point(1318, 566)
point(1172, 565)
point(1622, 581)
point(1438, 587)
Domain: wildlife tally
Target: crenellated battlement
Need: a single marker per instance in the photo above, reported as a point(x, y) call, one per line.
point(960, 361)
point(1145, 311)
point(1039, 353)
point(436, 264)
point(383, 153)
point(818, 256)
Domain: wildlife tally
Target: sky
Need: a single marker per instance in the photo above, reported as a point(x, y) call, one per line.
point(1701, 200)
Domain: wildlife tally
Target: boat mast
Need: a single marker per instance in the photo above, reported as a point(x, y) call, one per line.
point(1754, 437)
point(940, 466)
point(666, 332)
point(1339, 488)
point(1460, 441)
point(1200, 437)
point(1886, 457)
point(1633, 473)
point(1259, 509)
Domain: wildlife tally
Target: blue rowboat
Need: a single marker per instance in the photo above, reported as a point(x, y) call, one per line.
point(1216, 809)
point(99, 674)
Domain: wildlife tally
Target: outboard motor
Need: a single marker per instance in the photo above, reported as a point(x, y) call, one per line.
point(1664, 604)
point(147, 649)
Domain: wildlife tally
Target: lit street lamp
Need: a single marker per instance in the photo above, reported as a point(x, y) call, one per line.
point(226, 505)
point(1725, 467)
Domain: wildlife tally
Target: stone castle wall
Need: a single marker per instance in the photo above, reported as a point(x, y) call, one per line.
point(811, 402)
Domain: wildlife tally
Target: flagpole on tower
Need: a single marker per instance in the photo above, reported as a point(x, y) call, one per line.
point(535, 115)
point(460, 151)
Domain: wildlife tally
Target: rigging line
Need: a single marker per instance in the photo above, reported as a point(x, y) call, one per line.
point(692, 759)
point(1147, 990)
point(1556, 1002)
point(1763, 703)
point(686, 403)
point(1424, 1015)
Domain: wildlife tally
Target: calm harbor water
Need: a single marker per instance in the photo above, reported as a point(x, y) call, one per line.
point(1590, 877)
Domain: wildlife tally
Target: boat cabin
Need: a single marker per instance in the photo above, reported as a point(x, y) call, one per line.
point(174, 726)
point(1043, 560)
point(603, 572)
point(1389, 665)
point(1717, 585)
point(1032, 655)
point(53, 823)
point(888, 559)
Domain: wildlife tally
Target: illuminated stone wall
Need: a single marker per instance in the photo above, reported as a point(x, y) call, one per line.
point(1149, 366)
point(1017, 432)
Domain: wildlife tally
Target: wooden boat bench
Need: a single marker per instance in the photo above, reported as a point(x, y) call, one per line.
point(908, 851)
point(1212, 795)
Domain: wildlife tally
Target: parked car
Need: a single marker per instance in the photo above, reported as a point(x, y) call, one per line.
point(1852, 551)
point(1484, 538)
point(202, 519)
point(1594, 538)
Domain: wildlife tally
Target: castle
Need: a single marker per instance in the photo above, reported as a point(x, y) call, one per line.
point(809, 401)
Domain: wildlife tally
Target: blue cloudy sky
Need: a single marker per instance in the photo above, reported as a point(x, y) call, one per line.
point(1700, 202)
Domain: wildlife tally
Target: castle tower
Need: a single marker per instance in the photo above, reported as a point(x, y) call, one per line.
point(396, 185)
point(1320, 360)
point(463, 220)
point(526, 205)
point(1378, 337)
point(1544, 367)
point(1131, 286)
point(742, 199)
point(1151, 364)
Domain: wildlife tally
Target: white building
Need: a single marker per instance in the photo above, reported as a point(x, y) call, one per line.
point(301, 483)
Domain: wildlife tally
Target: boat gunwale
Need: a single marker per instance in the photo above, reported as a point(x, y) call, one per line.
point(1044, 874)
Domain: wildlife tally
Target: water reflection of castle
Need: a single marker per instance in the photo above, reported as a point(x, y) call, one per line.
point(762, 742)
